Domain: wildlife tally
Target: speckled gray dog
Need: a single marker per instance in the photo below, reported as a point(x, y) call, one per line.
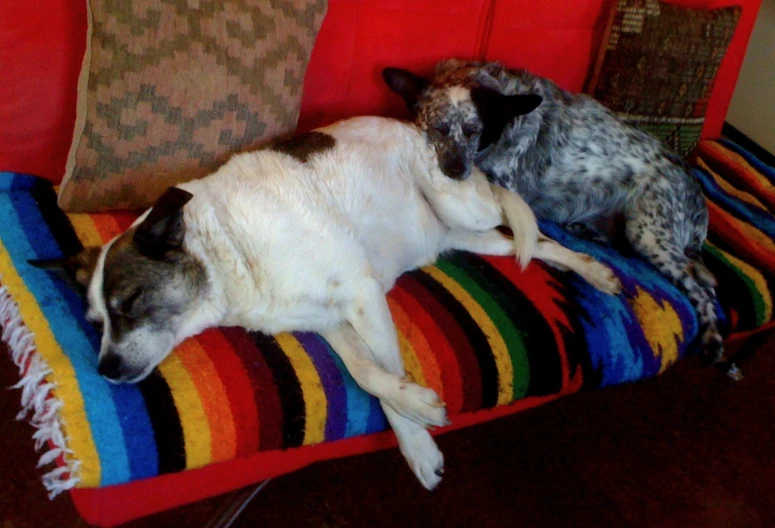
point(573, 161)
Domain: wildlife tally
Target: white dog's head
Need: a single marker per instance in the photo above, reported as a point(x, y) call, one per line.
point(143, 289)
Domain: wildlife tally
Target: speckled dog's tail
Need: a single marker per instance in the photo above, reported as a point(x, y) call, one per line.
point(684, 267)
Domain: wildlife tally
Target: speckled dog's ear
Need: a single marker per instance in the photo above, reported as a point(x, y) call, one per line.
point(407, 85)
point(447, 66)
point(497, 111)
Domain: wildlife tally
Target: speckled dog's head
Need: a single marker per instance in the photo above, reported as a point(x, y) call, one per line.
point(459, 118)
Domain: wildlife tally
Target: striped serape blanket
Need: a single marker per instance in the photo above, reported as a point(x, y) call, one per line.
point(476, 329)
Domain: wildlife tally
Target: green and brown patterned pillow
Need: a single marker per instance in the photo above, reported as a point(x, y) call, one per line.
point(657, 66)
point(170, 88)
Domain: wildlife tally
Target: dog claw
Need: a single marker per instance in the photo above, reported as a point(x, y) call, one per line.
point(729, 369)
point(734, 373)
point(439, 404)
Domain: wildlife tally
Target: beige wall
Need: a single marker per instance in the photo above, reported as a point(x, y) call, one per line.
point(753, 105)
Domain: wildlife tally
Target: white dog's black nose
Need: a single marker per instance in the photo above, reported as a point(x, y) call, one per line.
point(110, 367)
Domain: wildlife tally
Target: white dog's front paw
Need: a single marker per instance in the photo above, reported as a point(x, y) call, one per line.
point(424, 458)
point(419, 404)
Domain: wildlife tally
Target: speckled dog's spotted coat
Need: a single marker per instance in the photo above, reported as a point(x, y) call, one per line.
point(573, 161)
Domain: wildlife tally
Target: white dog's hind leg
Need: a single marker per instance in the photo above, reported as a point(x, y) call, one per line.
point(598, 275)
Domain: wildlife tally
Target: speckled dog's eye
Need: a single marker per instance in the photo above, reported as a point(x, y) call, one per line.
point(470, 131)
point(442, 128)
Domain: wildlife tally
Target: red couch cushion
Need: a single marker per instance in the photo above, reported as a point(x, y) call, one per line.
point(42, 46)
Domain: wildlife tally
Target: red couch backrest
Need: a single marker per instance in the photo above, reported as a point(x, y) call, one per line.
point(42, 45)
point(558, 39)
point(358, 38)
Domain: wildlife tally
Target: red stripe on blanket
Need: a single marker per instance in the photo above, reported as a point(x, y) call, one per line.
point(464, 355)
point(452, 379)
point(232, 372)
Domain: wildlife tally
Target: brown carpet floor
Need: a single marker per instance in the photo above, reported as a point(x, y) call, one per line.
point(688, 449)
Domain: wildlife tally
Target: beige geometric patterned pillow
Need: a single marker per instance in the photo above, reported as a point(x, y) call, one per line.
point(170, 88)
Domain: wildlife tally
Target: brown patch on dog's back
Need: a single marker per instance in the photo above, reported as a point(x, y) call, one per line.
point(306, 145)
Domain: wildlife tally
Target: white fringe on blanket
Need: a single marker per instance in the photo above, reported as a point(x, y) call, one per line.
point(37, 398)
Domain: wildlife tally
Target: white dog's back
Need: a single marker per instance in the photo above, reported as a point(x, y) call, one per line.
point(359, 201)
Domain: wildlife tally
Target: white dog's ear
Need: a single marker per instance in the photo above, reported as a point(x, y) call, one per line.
point(407, 85)
point(497, 111)
point(75, 270)
point(163, 229)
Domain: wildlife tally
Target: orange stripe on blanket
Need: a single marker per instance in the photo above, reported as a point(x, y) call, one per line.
point(737, 168)
point(417, 354)
point(215, 401)
point(743, 237)
point(239, 390)
point(731, 189)
point(106, 225)
point(449, 366)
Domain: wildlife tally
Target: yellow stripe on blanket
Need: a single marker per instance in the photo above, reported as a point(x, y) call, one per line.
point(87, 232)
point(193, 420)
point(499, 350)
point(315, 401)
point(78, 430)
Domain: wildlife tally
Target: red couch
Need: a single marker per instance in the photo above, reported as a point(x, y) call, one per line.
point(43, 45)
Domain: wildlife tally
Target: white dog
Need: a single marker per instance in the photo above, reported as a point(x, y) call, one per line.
point(308, 235)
